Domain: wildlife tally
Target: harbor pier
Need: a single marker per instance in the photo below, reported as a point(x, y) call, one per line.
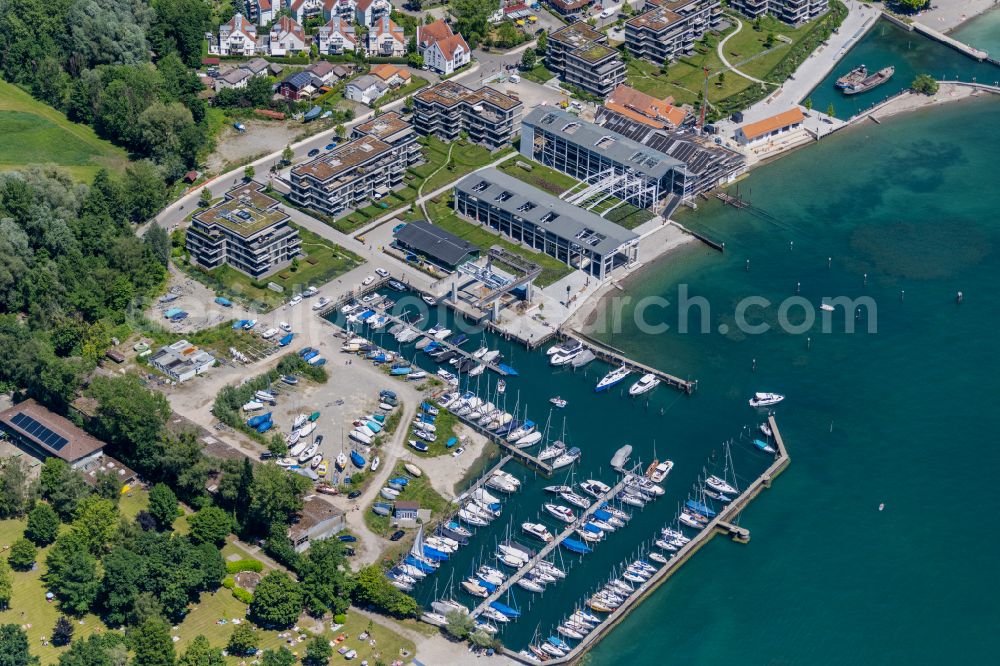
point(723, 523)
point(509, 449)
point(481, 481)
point(615, 357)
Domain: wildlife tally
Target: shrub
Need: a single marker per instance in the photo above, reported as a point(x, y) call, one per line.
point(340, 618)
point(244, 565)
point(243, 595)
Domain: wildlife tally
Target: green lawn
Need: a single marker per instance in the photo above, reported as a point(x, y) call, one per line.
point(413, 86)
point(442, 215)
point(539, 74)
point(323, 262)
point(540, 176)
point(465, 158)
point(746, 50)
point(32, 132)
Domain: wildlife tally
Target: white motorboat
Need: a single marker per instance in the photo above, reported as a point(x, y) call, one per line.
point(501, 484)
point(612, 378)
point(489, 356)
point(766, 429)
point(442, 334)
point(595, 488)
point(563, 513)
point(660, 471)
point(765, 399)
point(646, 383)
point(720, 485)
point(435, 619)
point(568, 345)
point(253, 406)
point(558, 402)
point(538, 531)
point(562, 358)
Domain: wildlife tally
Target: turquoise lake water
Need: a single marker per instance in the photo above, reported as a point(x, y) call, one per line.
point(911, 54)
point(983, 32)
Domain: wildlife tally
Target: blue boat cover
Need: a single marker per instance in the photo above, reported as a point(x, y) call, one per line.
point(575, 546)
point(505, 609)
point(700, 508)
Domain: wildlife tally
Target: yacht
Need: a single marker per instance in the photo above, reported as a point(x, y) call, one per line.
point(567, 458)
point(568, 346)
point(716, 483)
point(660, 471)
point(765, 399)
point(647, 383)
point(612, 378)
point(563, 513)
point(564, 357)
point(574, 499)
point(595, 488)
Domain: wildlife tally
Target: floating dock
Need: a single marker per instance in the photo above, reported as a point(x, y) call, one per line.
point(617, 357)
point(723, 523)
point(483, 479)
point(510, 450)
point(548, 548)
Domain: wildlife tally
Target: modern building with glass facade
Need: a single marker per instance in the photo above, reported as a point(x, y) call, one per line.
point(795, 12)
point(490, 118)
point(670, 29)
point(581, 57)
point(546, 223)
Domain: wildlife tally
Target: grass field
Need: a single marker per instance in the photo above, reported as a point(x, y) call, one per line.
point(746, 50)
point(32, 132)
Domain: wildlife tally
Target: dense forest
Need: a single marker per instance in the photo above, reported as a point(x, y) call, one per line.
point(122, 66)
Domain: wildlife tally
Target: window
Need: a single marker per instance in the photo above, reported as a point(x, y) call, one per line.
point(525, 207)
point(604, 142)
point(480, 186)
point(503, 196)
point(548, 217)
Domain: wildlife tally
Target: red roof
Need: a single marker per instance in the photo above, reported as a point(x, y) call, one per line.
point(210, 61)
point(761, 127)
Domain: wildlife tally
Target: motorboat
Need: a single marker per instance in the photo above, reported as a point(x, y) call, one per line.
point(537, 530)
point(612, 378)
point(595, 488)
point(646, 383)
point(716, 483)
point(253, 406)
point(765, 428)
point(583, 358)
point(558, 402)
point(564, 357)
point(491, 355)
point(567, 458)
point(435, 619)
point(563, 513)
point(567, 346)
point(765, 399)
point(660, 471)
point(413, 469)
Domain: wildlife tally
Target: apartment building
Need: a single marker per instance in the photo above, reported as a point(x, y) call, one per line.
point(581, 57)
point(390, 128)
point(795, 12)
point(670, 29)
point(490, 118)
point(247, 231)
point(525, 214)
point(350, 175)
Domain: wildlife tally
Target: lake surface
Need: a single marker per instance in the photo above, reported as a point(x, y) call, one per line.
point(983, 32)
point(911, 54)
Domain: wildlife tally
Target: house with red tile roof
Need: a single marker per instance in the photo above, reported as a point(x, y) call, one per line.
point(755, 133)
point(238, 37)
point(263, 11)
point(443, 50)
point(287, 38)
point(646, 109)
point(337, 37)
point(369, 12)
point(386, 39)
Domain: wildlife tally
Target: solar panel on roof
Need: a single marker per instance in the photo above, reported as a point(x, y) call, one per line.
point(29, 425)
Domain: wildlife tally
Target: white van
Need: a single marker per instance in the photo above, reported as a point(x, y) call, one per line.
point(269, 333)
point(285, 326)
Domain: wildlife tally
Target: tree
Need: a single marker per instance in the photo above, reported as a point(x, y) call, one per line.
point(910, 5)
point(277, 601)
point(205, 198)
point(108, 486)
point(124, 578)
point(163, 505)
point(210, 525)
point(482, 639)
point(769, 40)
point(96, 523)
point(472, 18)
point(542, 45)
point(248, 172)
point(280, 657)
point(275, 497)
point(721, 78)
point(14, 647)
point(146, 191)
point(340, 131)
point(201, 653)
point(132, 419)
point(528, 59)
point(924, 83)
point(179, 26)
point(62, 487)
point(374, 589)
point(459, 625)
point(106, 649)
point(157, 239)
point(243, 640)
point(22, 555)
point(287, 154)
point(830, 111)
point(62, 632)
point(415, 60)
point(326, 583)
point(15, 491)
point(43, 524)
point(151, 644)
point(6, 584)
point(808, 103)
point(318, 652)
point(71, 574)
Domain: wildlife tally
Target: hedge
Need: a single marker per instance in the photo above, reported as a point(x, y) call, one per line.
point(244, 565)
point(243, 595)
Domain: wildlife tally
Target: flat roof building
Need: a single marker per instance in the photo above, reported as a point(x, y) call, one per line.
point(670, 30)
point(247, 231)
point(546, 223)
point(581, 57)
point(366, 168)
point(606, 160)
point(441, 247)
point(390, 128)
point(795, 12)
point(182, 361)
point(490, 118)
point(45, 434)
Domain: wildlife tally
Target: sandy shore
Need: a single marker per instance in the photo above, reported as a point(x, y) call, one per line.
point(946, 15)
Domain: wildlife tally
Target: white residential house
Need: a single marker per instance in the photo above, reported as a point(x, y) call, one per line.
point(238, 37)
point(337, 36)
point(303, 9)
point(386, 39)
point(237, 77)
point(368, 12)
point(263, 11)
point(365, 89)
point(442, 50)
point(287, 38)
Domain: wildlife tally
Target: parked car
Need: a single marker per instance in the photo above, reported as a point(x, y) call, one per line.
point(313, 153)
point(266, 455)
point(397, 535)
point(349, 552)
point(381, 272)
point(398, 227)
point(368, 280)
point(347, 538)
point(330, 146)
point(354, 494)
point(459, 451)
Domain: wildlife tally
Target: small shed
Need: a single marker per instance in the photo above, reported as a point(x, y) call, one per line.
point(407, 510)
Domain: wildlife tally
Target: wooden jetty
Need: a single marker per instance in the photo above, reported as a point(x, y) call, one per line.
point(721, 524)
point(548, 548)
point(511, 451)
point(444, 343)
point(481, 481)
point(730, 200)
point(617, 357)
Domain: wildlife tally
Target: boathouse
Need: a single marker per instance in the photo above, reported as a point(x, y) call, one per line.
point(762, 131)
point(437, 245)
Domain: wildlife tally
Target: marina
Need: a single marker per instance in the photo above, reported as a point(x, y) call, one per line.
point(616, 357)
